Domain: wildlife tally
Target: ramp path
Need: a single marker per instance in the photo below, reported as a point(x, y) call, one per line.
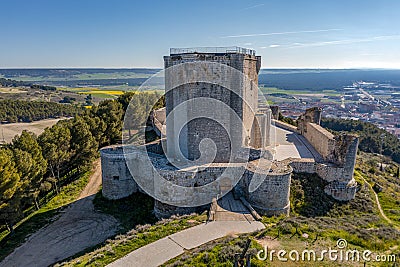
point(230, 209)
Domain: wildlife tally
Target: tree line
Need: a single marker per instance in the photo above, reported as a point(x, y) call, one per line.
point(13, 83)
point(371, 136)
point(27, 111)
point(33, 166)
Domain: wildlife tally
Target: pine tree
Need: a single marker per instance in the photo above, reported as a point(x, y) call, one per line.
point(30, 163)
point(10, 182)
point(83, 145)
point(56, 148)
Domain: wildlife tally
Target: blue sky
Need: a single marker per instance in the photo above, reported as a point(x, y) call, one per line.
point(116, 34)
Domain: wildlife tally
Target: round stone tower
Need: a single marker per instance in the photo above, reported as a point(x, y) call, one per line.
point(272, 196)
point(117, 180)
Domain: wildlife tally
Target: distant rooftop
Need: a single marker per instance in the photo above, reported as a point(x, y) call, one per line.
point(213, 50)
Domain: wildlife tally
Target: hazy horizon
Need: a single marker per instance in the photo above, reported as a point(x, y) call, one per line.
point(137, 34)
point(160, 68)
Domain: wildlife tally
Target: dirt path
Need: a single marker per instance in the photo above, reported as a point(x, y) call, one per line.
point(94, 183)
point(77, 228)
point(379, 204)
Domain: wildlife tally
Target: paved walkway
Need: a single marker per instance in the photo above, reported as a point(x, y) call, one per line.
point(292, 145)
point(160, 251)
point(77, 228)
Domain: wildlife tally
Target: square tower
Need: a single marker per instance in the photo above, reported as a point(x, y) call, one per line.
point(228, 75)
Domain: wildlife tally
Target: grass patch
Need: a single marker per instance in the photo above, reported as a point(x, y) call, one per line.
point(43, 216)
point(274, 90)
point(69, 192)
point(368, 166)
point(358, 177)
point(119, 75)
point(219, 253)
point(222, 252)
point(390, 206)
point(322, 217)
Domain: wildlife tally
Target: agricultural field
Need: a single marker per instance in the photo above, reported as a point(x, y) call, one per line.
point(80, 77)
point(29, 94)
point(11, 90)
point(74, 74)
point(277, 96)
point(8, 131)
point(302, 92)
point(94, 91)
point(103, 92)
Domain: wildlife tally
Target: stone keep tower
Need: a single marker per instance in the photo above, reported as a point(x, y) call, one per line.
point(241, 97)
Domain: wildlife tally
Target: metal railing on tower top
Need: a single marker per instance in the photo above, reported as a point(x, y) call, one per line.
point(213, 50)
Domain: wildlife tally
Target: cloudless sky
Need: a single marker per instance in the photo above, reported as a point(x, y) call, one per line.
point(118, 33)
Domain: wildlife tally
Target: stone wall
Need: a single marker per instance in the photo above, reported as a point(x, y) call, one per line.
point(270, 198)
point(311, 115)
point(340, 149)
point(157, 119)
point(342, 191)
point(285, 126)
point(302, 165)
point(345, 152)
point(322, 140)
point(339, 153)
